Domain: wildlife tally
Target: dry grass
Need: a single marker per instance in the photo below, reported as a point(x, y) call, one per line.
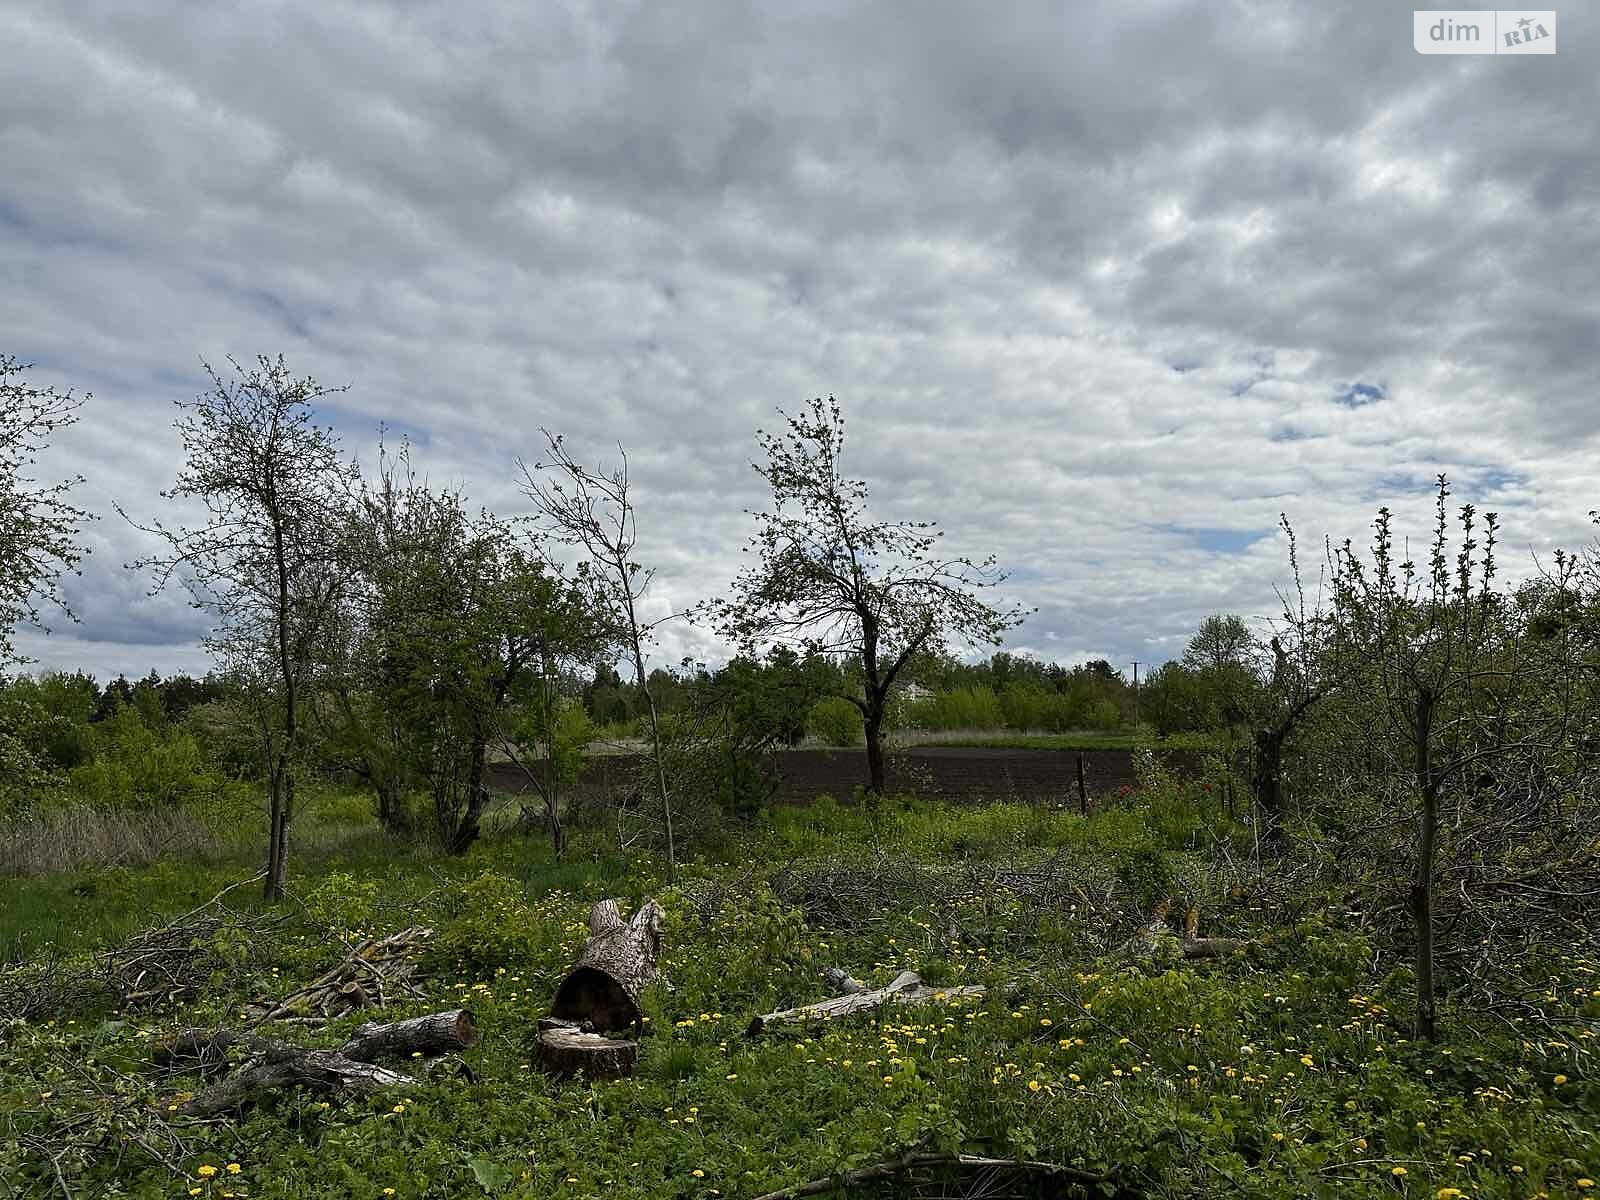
point(69, 839)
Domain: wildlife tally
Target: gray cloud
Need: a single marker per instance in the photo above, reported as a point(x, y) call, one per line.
point(993, 232)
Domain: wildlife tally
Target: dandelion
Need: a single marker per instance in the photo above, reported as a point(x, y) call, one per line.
point(1033, 1085)
point(1397, 1172)
point(1559, 1080)
point(698, 1173)
point(206, 1171)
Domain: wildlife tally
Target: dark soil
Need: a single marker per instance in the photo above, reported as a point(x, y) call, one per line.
point(964, 773)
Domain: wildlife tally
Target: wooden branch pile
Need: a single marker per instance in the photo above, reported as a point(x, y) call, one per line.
point(271, 1066)
point(172, 962)
point(164, 964)
point(601, 995)
point(373, 975)
point(855, 997)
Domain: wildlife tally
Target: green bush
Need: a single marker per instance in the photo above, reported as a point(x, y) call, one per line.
point(341, 901)
point(492, 926)
point(836, 722)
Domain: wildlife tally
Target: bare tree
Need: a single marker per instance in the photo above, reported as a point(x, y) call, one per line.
point(829, 578)
point(593, 509)
point(265, 561)
point(38, 527)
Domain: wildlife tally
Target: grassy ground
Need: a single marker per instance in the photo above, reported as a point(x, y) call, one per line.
point(1283, 1071)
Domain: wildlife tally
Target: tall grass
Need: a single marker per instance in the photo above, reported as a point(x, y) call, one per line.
point(76, 836)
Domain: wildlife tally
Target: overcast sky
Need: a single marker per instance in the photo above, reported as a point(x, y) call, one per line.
point(1103, 289)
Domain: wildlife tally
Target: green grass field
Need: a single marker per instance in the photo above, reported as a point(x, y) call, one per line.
point(1284, 1070)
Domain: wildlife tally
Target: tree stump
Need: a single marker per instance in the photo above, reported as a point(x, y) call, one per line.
point(567, 1049)
point(602, 993)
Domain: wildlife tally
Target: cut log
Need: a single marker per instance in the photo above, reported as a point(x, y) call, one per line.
point(431, 1035)
point(618, 962)
point(566, 1049)
point(906, 988)
point(1158, 940)
point(273, 1066)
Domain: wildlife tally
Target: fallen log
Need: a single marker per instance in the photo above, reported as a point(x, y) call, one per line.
point(602, 993)
point(325, 1071)
point(1157, 939)
point(906, 988)
point(273, 1066)
point(618, 962)
point(430, 1035)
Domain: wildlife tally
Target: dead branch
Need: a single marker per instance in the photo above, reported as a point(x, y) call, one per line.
point(906, 988)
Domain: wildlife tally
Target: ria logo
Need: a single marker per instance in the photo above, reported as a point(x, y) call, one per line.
point(1484, 31)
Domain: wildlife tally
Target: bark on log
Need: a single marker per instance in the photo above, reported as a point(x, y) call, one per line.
point(325, 1071)
point(430, 1035)
point(906, 988)
point(273, 1066)
point(202, 1050)
point(566, 1048)
point(618, 962)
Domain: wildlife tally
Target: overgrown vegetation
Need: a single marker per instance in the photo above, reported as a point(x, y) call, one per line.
point(1384, 822)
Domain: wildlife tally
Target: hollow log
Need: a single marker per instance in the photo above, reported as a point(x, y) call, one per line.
point(619, 960)
point(566, 1049)
point(906, 988)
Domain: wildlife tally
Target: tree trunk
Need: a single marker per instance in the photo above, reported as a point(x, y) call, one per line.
point(274, 1066)
point(873, 721)
point(618, 961)
point(281, 788)
point(470, 825)
point(565, 1048)
point(1422, 881)
point(1268, 779)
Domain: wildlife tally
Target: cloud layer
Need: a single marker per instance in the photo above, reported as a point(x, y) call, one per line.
point(1102, 289)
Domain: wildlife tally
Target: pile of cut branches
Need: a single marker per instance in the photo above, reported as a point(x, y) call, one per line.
point(377, 972)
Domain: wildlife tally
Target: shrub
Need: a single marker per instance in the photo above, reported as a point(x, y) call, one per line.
point(837, 722)
point(342, 901)
point(492, 926)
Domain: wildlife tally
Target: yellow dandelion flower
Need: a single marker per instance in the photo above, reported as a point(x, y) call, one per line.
point(206, 1171)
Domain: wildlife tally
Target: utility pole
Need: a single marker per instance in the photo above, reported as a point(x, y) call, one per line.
point(1136, 694)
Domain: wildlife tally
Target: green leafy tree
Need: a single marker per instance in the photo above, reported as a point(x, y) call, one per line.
point(39, 527)
point(265, 560)
point(830, 579)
